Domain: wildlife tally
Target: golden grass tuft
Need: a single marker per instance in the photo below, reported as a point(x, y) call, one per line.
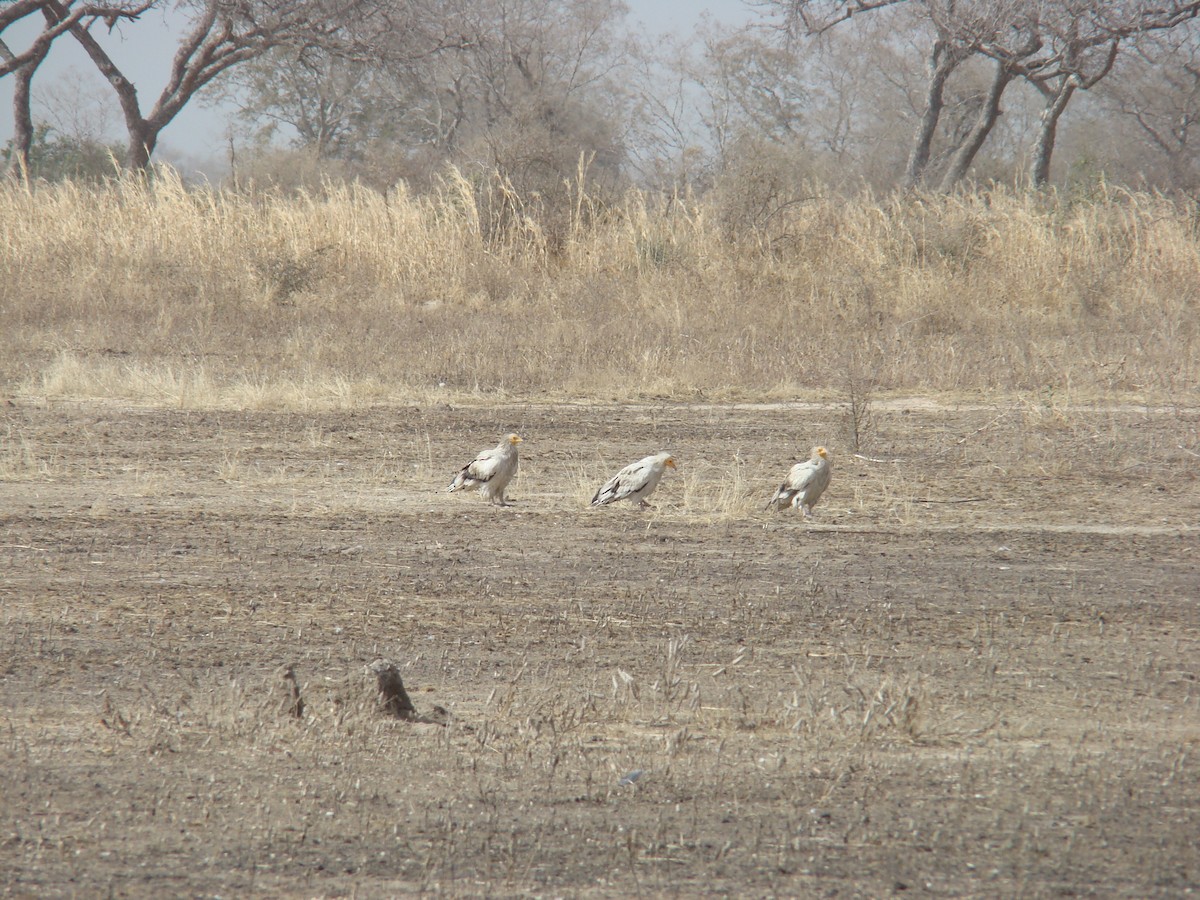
point(152, 292)
point(21, 459)
point(720, 491)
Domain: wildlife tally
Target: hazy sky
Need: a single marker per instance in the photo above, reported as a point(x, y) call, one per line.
point(199, 133)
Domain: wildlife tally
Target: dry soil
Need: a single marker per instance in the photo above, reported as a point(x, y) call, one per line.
point(973, 672)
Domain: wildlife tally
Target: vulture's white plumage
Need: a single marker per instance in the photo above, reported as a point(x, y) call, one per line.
point(636, 481)
point(805, 483)
point(490, 471)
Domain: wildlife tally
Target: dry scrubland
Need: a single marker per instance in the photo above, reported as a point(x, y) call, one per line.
point(153, 293)
point(230, 421)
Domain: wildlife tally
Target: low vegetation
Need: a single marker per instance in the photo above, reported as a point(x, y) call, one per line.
point(156, 293)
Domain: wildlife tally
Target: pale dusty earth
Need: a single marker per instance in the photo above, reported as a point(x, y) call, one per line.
point(972, 673)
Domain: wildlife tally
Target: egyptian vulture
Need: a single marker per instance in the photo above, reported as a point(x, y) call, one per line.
point(636, 481)
point(490, 471)
point(805, 483)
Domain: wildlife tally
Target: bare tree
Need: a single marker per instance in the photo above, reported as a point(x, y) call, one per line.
point(1059, 48)
point(944, 57)
point(23, 65)
point(221, 34)
point(974, 52)
point(1159, 92)
point(329, 104)
point(539, 84)
point(667, 149)
point(18, 160)
point(804, 18)
point(68, 16)
point(519, 87)
point(1067, 47)
point(955, 31)
point(972, 141)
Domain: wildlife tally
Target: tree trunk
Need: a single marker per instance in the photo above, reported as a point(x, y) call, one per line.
point(1043, 147)
point(22, 140)
point(942, 61)
point(1056, 105)
point(142, 134)
point(989, 113)
point(142, 139)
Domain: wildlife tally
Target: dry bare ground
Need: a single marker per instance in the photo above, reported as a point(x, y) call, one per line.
point(973, 673)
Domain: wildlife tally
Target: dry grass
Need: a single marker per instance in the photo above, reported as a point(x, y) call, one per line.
point(20, 458)
point(156, 294)
point(719, 490)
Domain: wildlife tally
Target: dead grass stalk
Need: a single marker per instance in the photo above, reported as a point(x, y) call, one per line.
point(151, 291)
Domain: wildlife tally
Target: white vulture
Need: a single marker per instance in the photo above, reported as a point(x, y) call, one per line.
point(805, 483)
point(636, 481)
point(490, 471)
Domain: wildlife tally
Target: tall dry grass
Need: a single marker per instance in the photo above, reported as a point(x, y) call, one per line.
point(150, 291)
